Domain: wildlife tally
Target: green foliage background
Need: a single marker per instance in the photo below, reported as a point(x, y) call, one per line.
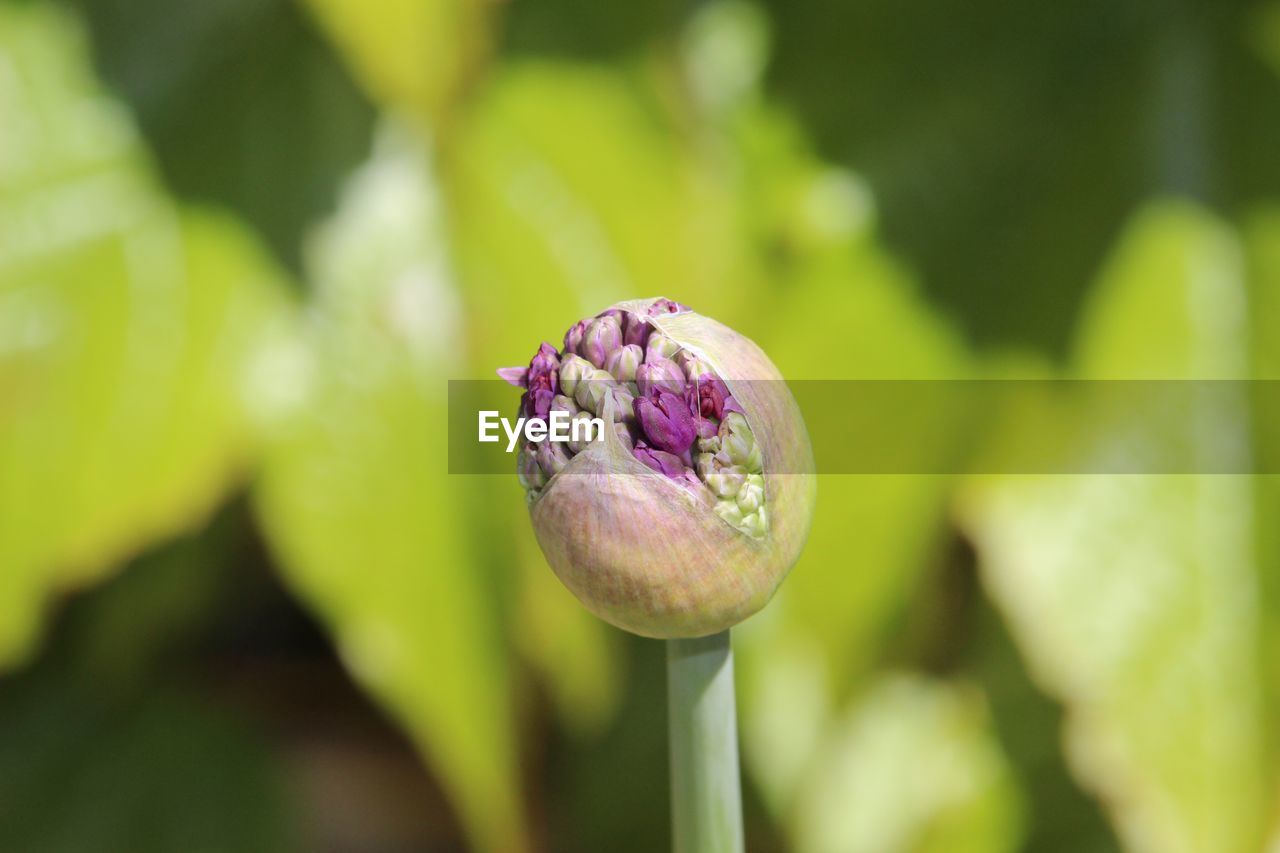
point(243, 244)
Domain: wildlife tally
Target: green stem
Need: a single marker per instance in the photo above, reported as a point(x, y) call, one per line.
point(706, 794)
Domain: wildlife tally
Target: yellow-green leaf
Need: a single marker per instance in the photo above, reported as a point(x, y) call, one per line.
point(1134, 597)
point(127, 329)
point(358, 503)
point(914, 766)
point(410, 55)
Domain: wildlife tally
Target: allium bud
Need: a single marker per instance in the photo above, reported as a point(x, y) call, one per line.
point(686, 516)
point(603, 336)
point(622, 363)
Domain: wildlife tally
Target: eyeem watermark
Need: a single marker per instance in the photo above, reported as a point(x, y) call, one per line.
point(559, 427)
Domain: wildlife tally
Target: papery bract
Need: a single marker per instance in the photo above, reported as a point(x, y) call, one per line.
point(684, 519)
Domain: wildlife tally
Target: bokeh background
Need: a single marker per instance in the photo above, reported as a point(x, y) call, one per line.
point(244, 244)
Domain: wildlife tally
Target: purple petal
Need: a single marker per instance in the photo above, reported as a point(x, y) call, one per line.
point(664, 463)
point(706, 397)
point(666, 306)
point(666, 421)
point(573, 337)
point(544, 369)
point(659, 374)
point(635, 330)
point(517, 376)
point(536, 403)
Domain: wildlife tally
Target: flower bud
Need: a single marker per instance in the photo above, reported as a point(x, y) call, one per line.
point(636, 330)
point(738, 443)
point(528, 471)
point(707, 396)
point(622, 363)
point(705, 465)
point(561, 403)
point(573, 368)
point(579, 427)
point(623, 404)
point(659, 373)
point(536, 403)
point(660, 346)
point(751, 495)
point(756, 524)
point(686, 516)
point(729, 511)
point(692, 366)
point(602, 337)
point(666, 464)
point(665, 421)
point(727, 482)
point(592, 389)
point(552, 457)
point(573, 337)
point(544, 370)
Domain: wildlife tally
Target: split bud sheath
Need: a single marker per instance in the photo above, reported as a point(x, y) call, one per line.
point(686, 515)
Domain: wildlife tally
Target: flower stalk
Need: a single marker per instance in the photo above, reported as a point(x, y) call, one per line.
point(706, 792)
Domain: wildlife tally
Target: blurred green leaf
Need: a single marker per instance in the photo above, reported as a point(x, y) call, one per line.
point(581, 28)
point(410, 55)
point(1009, 143)
point(574, 654)
point(356, 499)
point(913, 766)
point(241, 103)
point(1134, 597)
point(168, 773)
point(1059, 816)
point(1262, 244)
point(127, 329)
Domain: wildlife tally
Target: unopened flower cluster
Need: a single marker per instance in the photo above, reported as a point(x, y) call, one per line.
point(666, 405)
